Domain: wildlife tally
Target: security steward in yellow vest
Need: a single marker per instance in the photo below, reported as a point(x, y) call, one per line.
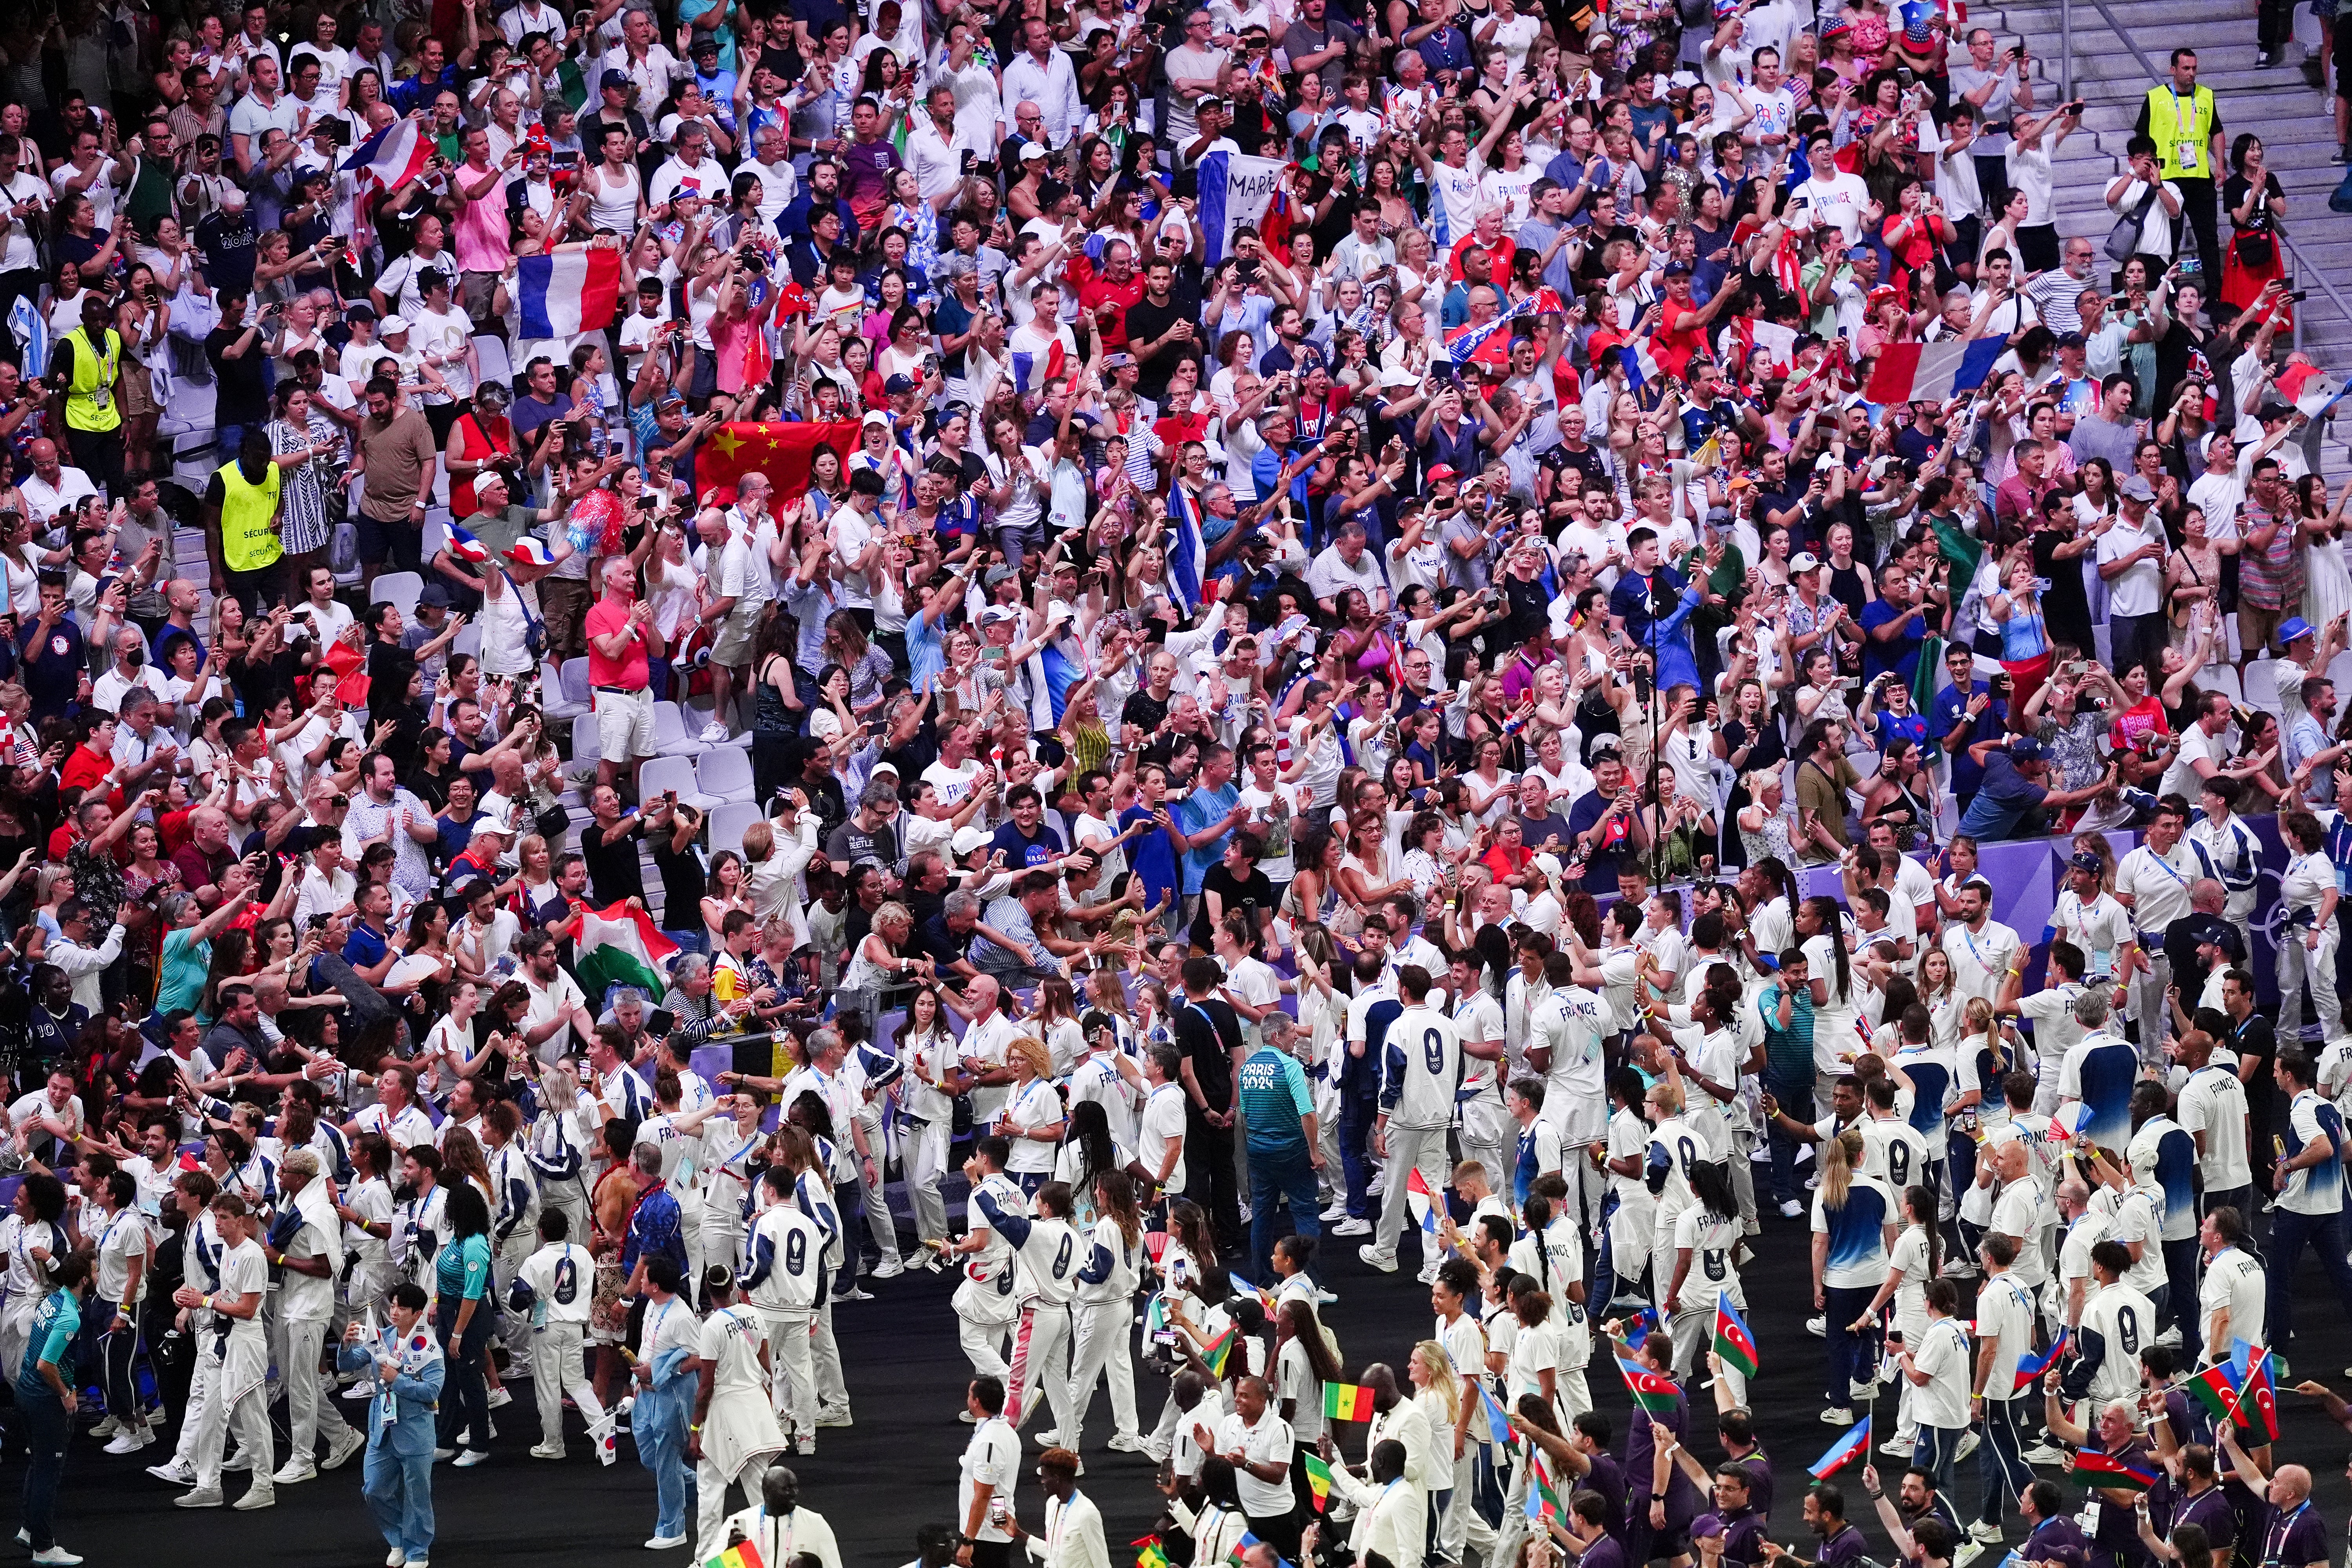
point(2185, 123)
point(85, 375)
point(241, 524)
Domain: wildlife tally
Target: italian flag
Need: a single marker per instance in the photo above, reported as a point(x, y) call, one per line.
point(620, 946)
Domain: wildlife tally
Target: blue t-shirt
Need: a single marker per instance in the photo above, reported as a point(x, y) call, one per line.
point(1035, 850)
point(56, 1322)
point(1201, 809)
point(1898, 656)
point(1945, 715)
point(1275, 1103)
point(51, 671)
point(1150, 855)
point(2006, 802)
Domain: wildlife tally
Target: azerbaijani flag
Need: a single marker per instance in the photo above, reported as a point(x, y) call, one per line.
point(1241, 1546)
point(1318, 1481)
point(2111, 1471)
point(2030, 1368)
point(743, 1554)
point(1347, 1402)
point(619, 945)
point(1841, 1452)
point(1498, 1420)
point(568, 293)
point(2253, 1365)
point(395, 153)
point(1219, 1351)
point(1543, 1492)
point(1638, 1327)
point(2219, 1388)
point(1652, 1391)
point(1733, 1341)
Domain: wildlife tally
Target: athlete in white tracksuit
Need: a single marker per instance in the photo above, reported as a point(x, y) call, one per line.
point(784, 1274)
point(985, 1304)
point(1421, 1069)
point(552, 1294)
point(1106, 1286)
point(1048, 1249)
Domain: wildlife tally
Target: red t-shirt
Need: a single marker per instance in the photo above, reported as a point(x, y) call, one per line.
point(629, 672)
point(84, 768)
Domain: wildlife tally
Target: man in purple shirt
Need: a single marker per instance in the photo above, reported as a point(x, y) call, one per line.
point(1588, 1522)
point(1734, 1519)
point(1825, 1516)
point(871, 159)
point(1648, 1533)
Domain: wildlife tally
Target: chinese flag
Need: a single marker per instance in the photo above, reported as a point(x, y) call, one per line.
point(782, 451)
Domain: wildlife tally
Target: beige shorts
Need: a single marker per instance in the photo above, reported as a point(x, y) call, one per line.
point(737, 632)
point(624, 724)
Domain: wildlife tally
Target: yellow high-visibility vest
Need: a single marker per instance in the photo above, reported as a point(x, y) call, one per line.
point(2183, 147)
point(249, 520)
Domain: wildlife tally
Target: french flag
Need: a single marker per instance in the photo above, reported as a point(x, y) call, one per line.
point(570, 292)
point(392, 154)
point(466, 547)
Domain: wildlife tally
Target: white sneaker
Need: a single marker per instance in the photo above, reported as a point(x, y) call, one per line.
point(255, 1497)
point(293, 1473)
point(1378, 1185)
point(1792, 1209)
point(129, 1440)
point(499, 1398)
point(360, 1391)
point(1969, 1550)
point(395, 1558)
point(1968, 1445)
point(1325, 1298)
point(443, 1456)
point(806, 1446)
point(55, 1557)
point(853, 1294)
point(1818, 1326)
point(834, 1418)
point(1896, 1448)
point(172, 1470)
point(543, 1451)
point(2169, 1339)
point(1837, 1416)
point(418, 1563)
point(665, 1542)
point(472, 1457)
point(1988, 1535)
point(2043, 1454)
point(203, 1497)
point(107, 1427)
point(712, 735)
point(341, 1452)
point(1125, 1443)
point(1337, 1211)
point(1353, 1227)
point(237, 1462)
point(1386, 1264)
point(1960, 1268)
point(889, 1267)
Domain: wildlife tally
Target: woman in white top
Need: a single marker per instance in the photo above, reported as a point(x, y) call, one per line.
point(1536, 1349)
point(1437, 1389)
point(927, 1049)
point(1837, 993)
point(1910, 1263)
point(1017, 476)
point(2307, 953)
point(1489, 783)
point(1031, 1117)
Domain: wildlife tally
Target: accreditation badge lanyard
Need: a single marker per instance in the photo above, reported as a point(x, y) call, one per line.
point(2184, 146)
point(778, 1549)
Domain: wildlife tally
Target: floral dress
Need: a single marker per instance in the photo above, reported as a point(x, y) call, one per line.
point(922, 227)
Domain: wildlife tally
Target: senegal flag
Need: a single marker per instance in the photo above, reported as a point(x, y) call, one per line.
point(1318, 1481)
point(1347, 1402)
point(742, 1554)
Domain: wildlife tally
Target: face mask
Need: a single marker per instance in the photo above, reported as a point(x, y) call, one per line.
point(135, 657)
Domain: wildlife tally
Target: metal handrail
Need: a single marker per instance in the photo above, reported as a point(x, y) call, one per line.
point(2305, 272)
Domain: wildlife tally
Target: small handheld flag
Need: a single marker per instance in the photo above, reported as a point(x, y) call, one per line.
point(1220, 1350)
point(1318, 1481)
point(743, 1554)
point(1841, 1452)
point(1150, 1555)
point(1652, 1391)
point(1347, 1402)
point(1543, 1492)
point(2218, 1388)
point(2257, 1392)
point(2109, 1470)
point(1638, 1327)
point(2030, 1368)
point(1733, 1341)
point(466, 547)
